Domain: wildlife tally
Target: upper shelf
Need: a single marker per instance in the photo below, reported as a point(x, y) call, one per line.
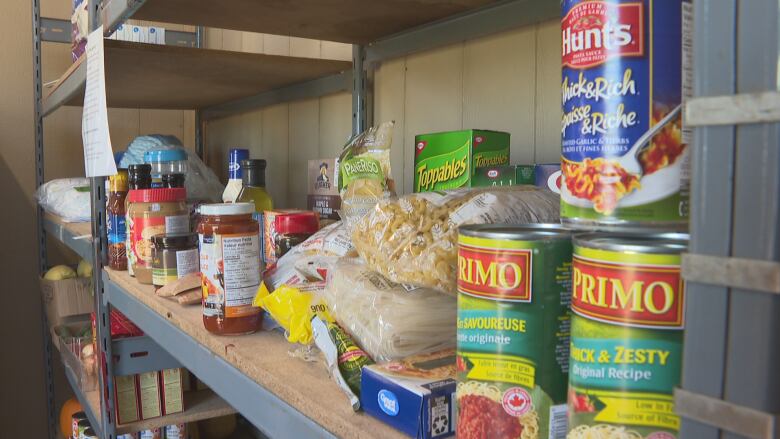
point(347, 21)
point(169, 77)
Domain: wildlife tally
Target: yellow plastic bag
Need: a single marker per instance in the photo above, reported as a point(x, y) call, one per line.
point(294, 307)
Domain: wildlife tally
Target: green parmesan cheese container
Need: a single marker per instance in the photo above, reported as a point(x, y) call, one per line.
point(449, 160)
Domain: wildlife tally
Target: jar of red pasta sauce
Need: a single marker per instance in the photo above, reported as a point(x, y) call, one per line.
point(230, 268)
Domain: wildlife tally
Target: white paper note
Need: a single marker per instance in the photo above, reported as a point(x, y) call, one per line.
point(98, 154)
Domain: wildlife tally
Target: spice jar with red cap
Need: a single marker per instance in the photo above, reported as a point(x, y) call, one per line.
point(293, 228)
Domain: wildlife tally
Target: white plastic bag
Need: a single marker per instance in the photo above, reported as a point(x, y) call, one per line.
point(388, 320)
point(311, 260)
point(67, 198)
point(201, 182)
point(413, 239)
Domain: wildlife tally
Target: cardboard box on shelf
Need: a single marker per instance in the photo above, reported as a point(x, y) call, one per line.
point(150, 395)
point(323, 196)
point(126, 399)
point(495, 176)
point(67, 300)
point(548, 176)
point(415, 395)
point(449, 160)
point(524, 174)
point(172, 391)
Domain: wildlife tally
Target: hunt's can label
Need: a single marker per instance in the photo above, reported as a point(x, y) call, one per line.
point(514, 289)
point(626, 73)
point(626, 335)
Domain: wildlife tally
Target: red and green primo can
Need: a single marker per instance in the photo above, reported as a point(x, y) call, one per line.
point(626, 73)
point(514, 288)
point(628, 300)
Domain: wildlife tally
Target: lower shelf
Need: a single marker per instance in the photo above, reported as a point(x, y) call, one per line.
point(281, 395)
point(199, 405)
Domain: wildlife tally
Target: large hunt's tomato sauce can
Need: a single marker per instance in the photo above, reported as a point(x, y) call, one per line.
point(626, 73)
point(626, 347)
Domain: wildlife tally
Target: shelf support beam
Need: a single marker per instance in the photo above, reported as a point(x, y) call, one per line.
point(305, 90)
point(490, 20)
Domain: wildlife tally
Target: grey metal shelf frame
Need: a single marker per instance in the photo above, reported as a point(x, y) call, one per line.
point(470, 19)
point(730, 387)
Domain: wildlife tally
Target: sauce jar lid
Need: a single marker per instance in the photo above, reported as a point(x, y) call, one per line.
point(227, 209)
point(165, 155)
point(157, 195)
point(176, 240)
point(297, 222)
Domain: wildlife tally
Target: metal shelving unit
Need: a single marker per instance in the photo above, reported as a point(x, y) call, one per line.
point(268, 393)
point(732, 350)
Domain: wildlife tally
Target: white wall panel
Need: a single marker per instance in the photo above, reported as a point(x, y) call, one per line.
point(508, 82)
point(499, 88)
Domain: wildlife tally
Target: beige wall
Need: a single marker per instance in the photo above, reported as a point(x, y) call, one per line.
point(22, 388)
point(286, 135)
point(507, 82)
point(21, 371)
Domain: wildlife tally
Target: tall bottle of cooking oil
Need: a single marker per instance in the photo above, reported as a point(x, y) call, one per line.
point(253, 191)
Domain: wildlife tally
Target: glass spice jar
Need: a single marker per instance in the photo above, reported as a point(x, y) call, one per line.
point(292, 229)
point(174, 256)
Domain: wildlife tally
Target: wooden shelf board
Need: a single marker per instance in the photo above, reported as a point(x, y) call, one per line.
point(76, 229)
point(171, 77)
point(200, 404)
point(347, 21)
point(265, 358)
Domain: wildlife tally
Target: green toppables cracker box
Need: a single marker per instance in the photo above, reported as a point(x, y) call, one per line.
point(494, 176)
point(450, 159)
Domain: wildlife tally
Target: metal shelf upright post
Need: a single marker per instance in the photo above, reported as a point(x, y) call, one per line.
point(730, 387)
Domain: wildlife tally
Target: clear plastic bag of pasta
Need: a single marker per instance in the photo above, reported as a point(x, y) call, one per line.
point(388, 320)
point(363, 172)
point(413, 239)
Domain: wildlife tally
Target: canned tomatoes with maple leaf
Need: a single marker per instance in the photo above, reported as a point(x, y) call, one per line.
point(514, 289)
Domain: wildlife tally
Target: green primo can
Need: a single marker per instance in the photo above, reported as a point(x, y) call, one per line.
point(514, 289)
point(628, 300)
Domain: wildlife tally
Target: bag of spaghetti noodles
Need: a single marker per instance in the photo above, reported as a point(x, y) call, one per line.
point(363, 172)
point(390, 321)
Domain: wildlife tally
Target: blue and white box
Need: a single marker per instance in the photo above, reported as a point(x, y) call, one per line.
point(415, 397)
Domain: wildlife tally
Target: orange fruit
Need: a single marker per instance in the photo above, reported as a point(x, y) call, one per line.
point(70, 407)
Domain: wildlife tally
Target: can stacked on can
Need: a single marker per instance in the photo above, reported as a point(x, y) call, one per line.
point(626, 72)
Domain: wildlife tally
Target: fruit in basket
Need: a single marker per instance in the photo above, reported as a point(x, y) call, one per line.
point(218, 428)
point(84, 269)
point(59, 272)
point(70, 407)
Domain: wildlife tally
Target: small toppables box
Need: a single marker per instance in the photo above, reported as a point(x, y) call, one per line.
point(415, 395)
point(449, 160)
